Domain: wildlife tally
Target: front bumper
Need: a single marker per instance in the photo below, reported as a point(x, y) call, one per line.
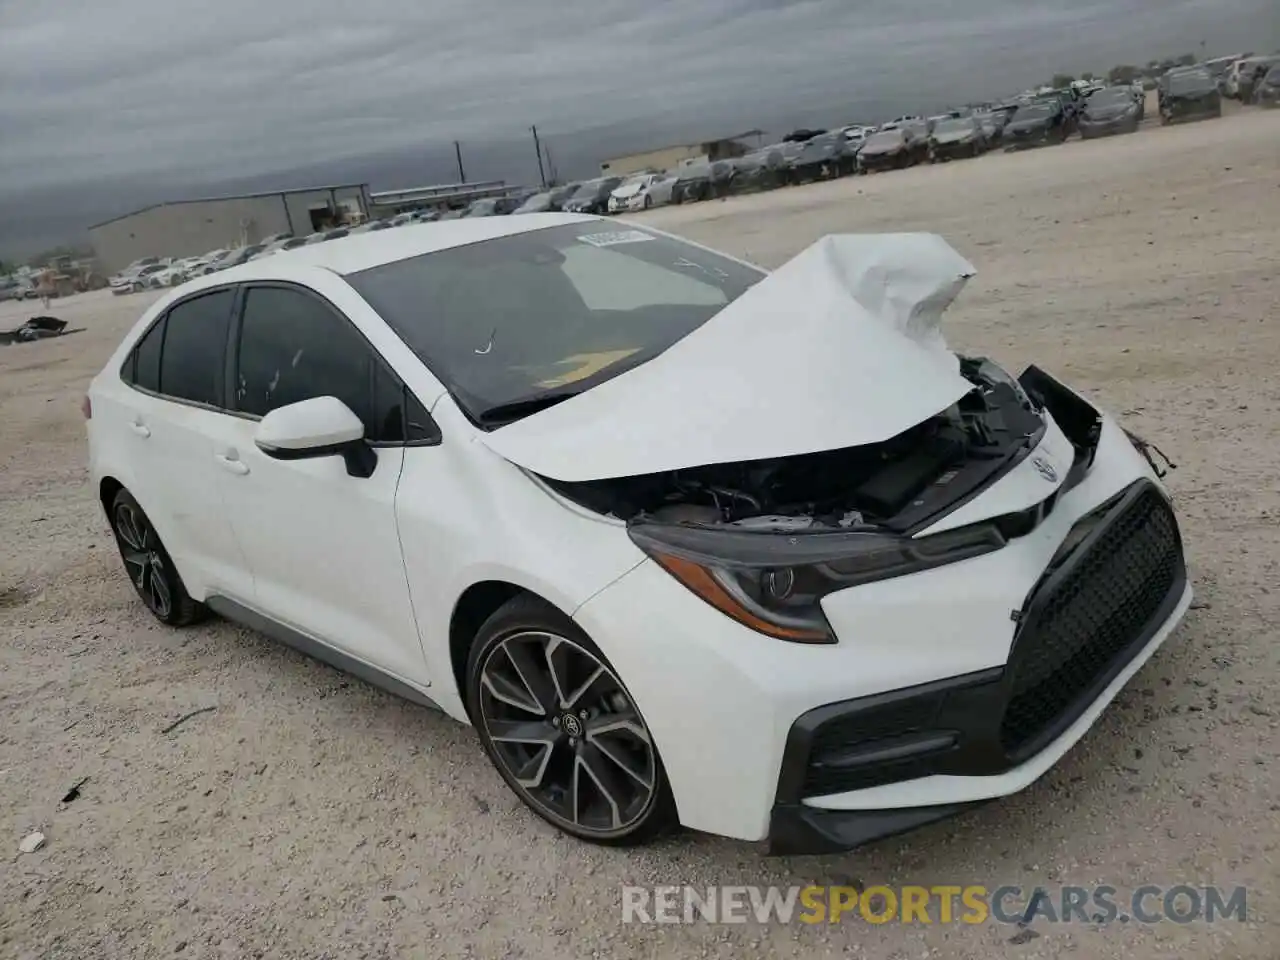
point(721, 700)
point(1092, 622)
point(1185, 111)
point(1102, 128)
point(882, 161)
point(1024, 141)
point(953, 150)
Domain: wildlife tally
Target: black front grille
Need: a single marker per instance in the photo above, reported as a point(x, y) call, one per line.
point(1089, 615)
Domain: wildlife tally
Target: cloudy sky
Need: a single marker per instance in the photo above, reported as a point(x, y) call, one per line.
point(183, 92)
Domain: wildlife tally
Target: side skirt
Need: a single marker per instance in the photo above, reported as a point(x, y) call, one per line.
point(317, 650)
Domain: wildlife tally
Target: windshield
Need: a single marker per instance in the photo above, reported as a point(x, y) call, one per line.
point(1196, 82)
point(885, 138)
point(519, 321)
point(953, 126)
point(1033, 111)
point(587, 191)
point(1115, 97)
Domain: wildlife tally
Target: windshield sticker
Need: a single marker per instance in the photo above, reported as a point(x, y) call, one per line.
point(615, 237)
point(583, 365)
point(686, 264)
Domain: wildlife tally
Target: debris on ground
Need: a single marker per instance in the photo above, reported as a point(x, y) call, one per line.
point(74, 792)
point(31, 842)
point(185, 717)
point(37, 328)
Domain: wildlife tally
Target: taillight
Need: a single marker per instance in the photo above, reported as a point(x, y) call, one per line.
point(86, 407)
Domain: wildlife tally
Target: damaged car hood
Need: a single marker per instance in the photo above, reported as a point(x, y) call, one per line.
point(839, 347)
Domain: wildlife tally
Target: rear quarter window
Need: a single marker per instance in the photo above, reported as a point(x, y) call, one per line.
point(146, 359)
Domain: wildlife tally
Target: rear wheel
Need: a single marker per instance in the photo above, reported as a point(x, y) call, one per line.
point(562, 730)
point(148, 566)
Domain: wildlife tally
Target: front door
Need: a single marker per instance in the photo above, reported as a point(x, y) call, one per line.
point(323, 545)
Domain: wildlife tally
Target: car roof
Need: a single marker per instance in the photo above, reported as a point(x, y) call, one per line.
point(374, 248)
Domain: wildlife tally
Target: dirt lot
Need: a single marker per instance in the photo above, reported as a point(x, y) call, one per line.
point(309, 815)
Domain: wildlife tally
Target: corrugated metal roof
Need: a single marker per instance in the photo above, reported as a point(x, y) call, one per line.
point(234, 196)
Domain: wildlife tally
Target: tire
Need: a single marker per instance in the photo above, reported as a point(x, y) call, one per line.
point(148, 566)
point(648, 202)
point(557, 744)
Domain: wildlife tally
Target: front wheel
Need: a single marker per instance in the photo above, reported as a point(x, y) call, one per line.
point(148, 565)
point(562, 730)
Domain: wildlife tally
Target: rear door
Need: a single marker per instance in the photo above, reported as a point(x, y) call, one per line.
point(323, 545)
point(170, 418)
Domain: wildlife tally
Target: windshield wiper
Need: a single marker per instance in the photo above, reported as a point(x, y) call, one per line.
point(515, 409)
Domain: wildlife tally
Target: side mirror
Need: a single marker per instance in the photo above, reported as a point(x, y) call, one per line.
point(319, 427)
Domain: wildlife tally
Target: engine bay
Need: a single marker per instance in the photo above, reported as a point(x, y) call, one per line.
point(896, 485)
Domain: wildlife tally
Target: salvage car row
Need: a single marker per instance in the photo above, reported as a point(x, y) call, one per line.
point(1034, 119)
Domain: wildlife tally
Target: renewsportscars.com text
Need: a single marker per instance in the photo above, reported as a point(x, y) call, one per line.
point(939, 904)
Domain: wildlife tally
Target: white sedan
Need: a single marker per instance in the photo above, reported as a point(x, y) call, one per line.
point(642, 192)
point(687, 542)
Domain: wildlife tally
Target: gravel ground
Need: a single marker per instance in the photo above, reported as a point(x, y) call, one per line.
point(309, 815)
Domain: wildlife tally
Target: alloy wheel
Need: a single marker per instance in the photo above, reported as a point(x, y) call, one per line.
point(143, 560)
point(567, 734)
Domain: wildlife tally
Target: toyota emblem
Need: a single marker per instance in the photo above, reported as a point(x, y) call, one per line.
point(1045, 468)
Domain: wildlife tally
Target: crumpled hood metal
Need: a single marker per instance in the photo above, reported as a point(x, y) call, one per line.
point(840, 346)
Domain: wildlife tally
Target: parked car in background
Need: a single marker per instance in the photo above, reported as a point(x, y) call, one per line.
point(956, 137)
point(548, 201)
point(890, 150)
point(137, 276)
point(705, 181)
point(1110, 110)
point(279, 246)
point(822, 157)
point(992, 123)
point(538, 203)
point(1267, 92)
point(323, 236)
point(1229, 84)
point(1189, 95)
point(592, 196)
point(175, 273)
point(641, 192)
point(763, 169)
point(1036, 124)
point(1258, 69)
point(232, 258)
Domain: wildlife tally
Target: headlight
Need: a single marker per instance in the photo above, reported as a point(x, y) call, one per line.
point(774, 582)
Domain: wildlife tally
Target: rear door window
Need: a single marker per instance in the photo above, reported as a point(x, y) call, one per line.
point(192, 358)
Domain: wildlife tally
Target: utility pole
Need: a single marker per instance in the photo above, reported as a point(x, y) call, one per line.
point(552, 172)
point(457, 152)
point(537, 148)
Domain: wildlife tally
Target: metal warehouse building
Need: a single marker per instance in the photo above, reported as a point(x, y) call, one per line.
point(188, 228)
point(671, 157)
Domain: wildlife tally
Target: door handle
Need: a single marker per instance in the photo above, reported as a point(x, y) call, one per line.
point(140, 428)
point(232, 464)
